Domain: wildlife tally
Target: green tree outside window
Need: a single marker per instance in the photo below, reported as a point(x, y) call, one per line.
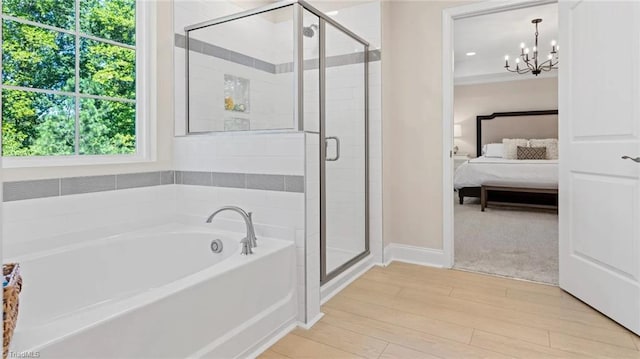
point(50, 107)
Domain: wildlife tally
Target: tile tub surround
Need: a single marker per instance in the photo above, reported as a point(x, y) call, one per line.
point(205, 48)
point(23, 190)
point(264, 158)
point(268, 182)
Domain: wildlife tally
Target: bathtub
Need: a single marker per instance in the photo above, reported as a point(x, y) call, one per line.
point(157, 293)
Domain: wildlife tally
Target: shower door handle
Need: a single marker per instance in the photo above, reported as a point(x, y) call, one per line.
point(326, 145)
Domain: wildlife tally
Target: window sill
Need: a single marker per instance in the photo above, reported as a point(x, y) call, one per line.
point(68, 161)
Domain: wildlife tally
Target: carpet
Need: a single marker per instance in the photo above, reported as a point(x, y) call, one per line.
point(509, 242)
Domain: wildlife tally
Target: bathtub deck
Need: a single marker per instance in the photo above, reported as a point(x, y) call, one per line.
point(409, 311)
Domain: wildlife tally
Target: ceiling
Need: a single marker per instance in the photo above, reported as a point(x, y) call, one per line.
point(322, 5)
point(493, 36)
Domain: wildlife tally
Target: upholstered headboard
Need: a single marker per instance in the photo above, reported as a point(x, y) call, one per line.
point(519, 124)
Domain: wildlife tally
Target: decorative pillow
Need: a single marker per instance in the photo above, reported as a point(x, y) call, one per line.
point(510, 147)
point(532, 153)
point(550, 143)
point(494, 150)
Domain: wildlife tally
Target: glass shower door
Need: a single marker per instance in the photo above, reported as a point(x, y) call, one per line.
point(343, 138)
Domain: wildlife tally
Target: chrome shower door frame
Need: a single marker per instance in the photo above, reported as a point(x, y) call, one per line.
point(298, 65)
point(324, 276)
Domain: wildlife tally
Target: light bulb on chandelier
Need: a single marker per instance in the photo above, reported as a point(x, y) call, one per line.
point(531, 63)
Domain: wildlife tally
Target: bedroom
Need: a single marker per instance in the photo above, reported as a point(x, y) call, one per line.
point(505, 177)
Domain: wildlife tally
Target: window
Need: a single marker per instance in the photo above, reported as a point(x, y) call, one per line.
point(69, 78)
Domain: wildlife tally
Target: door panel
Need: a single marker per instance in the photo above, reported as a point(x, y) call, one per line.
point(600, 30)
point(588, 194)
point(344, 236)
point(599, 123)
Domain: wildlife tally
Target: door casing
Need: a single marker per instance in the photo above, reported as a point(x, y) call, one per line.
point(448, 17)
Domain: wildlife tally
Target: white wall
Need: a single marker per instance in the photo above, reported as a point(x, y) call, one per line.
point(275, 214)
point(277, 153)
point(44, 223)
point(412, 128)
point(39, 224)
point(484, 99)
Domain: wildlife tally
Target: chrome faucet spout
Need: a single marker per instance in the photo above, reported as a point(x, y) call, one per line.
point(236, 209)
point(250, 239)
point(253, 241)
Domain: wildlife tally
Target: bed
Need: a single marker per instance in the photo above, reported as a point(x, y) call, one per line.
point(470, 176)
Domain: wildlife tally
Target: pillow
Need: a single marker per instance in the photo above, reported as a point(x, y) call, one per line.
point(531, 153)
point(550, 143)
point(510, 147)
point(494, 150)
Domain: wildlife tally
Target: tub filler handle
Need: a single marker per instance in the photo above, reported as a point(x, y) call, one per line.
point(246, 247)
point(249, 241)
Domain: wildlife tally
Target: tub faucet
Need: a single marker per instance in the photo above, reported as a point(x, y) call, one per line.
point(249, 241)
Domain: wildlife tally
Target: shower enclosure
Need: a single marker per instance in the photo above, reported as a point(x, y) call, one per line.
point(289, 67)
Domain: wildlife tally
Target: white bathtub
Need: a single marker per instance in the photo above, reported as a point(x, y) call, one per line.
point(158, 293)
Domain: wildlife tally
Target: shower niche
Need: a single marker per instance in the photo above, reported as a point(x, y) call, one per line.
point(289, 67)
point(240, 74)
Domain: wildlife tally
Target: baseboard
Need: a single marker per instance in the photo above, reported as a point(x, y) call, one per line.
point(312, 322)
point(337, 284)
point(414, 255)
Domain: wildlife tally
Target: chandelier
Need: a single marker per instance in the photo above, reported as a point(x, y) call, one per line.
point(533, 63)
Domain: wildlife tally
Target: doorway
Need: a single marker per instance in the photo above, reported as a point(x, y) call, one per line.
point(484, 105)
point(597, 212)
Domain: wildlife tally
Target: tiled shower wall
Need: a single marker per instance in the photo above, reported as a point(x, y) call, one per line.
point(276, 161)
point(47, 222)
point(271, 94)
point(256, 48)
point(252, 58)
point(273, 168)
point(264, 61)
point(342, 83)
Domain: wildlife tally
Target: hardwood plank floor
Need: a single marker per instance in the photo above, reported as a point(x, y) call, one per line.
point(410, 311)
point(636, 339)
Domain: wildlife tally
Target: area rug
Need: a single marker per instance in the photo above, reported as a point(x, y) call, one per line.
point(508, 242)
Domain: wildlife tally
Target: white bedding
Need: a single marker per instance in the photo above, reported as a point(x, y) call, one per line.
point(477, 171)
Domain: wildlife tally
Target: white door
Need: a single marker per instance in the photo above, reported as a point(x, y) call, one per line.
point(600, 122)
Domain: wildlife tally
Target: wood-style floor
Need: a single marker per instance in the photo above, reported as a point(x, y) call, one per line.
point(409, 311)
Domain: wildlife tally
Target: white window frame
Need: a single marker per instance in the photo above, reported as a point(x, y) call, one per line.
point(145, 93)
